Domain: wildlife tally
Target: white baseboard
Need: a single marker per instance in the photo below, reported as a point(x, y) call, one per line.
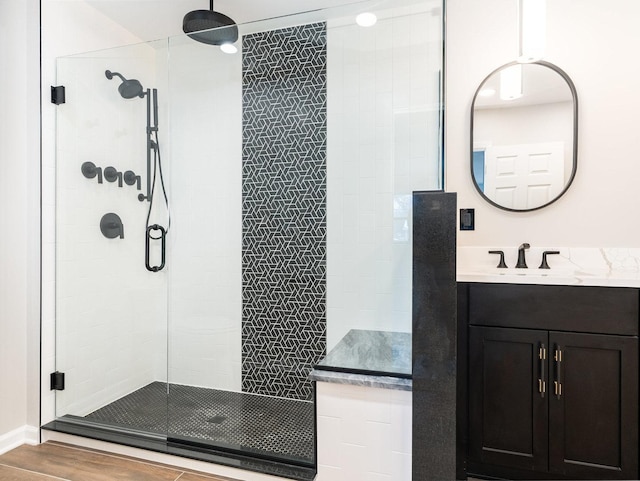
point(31, 435)
point(18, 437)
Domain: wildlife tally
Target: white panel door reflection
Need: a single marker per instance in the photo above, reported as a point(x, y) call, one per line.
point(524, 176)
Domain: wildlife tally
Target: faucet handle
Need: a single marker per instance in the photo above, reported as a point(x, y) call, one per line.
point(544, 264)
point(501, 264)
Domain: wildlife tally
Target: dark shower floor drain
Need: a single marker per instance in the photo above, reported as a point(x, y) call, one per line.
point(217, 419)
point(263, 425)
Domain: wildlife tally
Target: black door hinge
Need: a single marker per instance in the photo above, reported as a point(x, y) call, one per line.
point(57, 381)
point(57, 95)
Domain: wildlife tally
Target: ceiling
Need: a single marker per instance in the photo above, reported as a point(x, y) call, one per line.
point(157, 19)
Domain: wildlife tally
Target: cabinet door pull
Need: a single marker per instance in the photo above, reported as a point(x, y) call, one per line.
point(557, 384)
point(557, 388)
point(542, 356)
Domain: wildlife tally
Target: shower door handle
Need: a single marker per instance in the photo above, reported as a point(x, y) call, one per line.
point(163, 242)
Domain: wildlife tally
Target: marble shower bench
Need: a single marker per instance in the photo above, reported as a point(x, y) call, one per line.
point(364, 408)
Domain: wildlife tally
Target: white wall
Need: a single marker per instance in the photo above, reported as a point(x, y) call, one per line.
point(19, 229)
point(593, 43)
point(13, 138)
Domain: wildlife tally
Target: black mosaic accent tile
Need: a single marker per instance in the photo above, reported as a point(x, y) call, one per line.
point(284, 209)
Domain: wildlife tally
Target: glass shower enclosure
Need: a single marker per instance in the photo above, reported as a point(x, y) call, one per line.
point(224, 220)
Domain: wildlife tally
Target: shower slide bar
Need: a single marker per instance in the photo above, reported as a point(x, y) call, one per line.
point(151, 144)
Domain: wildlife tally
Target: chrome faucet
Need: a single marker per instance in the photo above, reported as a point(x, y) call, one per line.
point(522, 263)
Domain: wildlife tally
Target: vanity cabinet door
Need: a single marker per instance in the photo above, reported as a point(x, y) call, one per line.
point(507, 399)
point(593, 406)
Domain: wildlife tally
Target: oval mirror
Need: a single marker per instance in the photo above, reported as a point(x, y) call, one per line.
point(524, 130)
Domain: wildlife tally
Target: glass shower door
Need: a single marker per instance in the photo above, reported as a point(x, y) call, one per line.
point(205, 255)
point(215, 401)
point(111, 312)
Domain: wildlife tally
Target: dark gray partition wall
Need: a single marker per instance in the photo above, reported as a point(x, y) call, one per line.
point(434, 336)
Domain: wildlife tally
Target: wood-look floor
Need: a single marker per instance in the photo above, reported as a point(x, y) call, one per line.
point(54, 461)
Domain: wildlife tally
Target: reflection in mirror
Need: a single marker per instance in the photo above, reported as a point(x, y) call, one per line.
point(524, 125)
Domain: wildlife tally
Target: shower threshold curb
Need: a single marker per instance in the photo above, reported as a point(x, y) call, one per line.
point(78, 427)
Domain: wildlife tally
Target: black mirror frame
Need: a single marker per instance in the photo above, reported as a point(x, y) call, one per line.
point(572, 87)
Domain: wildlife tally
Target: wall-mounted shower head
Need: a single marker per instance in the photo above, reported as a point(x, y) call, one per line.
point(128, 88)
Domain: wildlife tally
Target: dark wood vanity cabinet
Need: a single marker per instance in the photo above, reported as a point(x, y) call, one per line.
point(508, 419)
point(544, 400)
point(593, 420)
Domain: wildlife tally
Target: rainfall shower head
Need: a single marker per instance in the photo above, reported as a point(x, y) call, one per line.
point(212, 28)
point(128, 88)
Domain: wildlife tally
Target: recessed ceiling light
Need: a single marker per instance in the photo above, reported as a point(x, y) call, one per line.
point(366, 19)
point(228, 48)
point(487, 93)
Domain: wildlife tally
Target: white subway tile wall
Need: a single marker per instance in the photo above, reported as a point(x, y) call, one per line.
point(363, 433)
point(205, 189)
point(383, 111)
point(109, 309)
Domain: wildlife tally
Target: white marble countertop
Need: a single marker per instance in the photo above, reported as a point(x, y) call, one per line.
point(606, 267)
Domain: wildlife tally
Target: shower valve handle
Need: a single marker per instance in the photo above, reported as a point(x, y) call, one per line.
point(130, 178)
point(89, 170)
point(111, 174)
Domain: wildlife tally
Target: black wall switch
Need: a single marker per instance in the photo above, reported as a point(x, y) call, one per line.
point(467, 219)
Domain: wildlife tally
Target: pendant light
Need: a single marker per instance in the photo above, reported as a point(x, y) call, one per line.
point(532, 29)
